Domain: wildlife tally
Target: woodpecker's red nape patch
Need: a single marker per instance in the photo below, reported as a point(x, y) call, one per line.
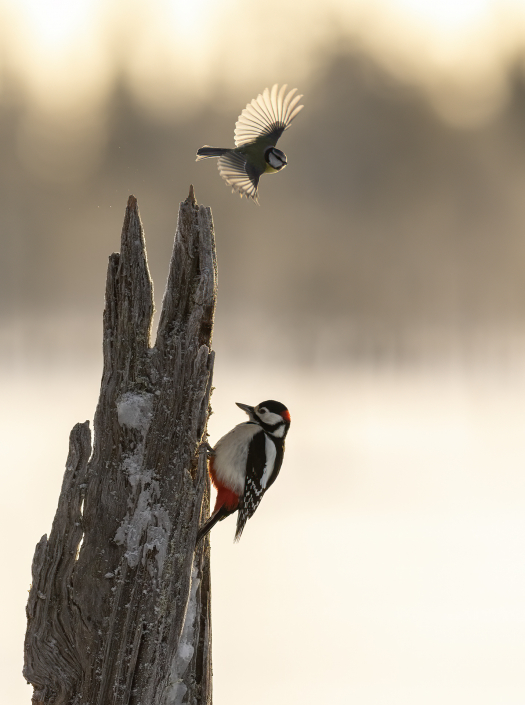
point(286, 416)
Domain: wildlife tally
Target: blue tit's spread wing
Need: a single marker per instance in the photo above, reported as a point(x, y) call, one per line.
point(267, 116)
point(253, 490)
point(241, 176)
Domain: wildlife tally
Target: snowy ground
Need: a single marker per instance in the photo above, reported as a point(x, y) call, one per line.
point(385, 566)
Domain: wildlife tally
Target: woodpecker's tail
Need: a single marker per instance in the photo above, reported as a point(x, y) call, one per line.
point(206, 152)
point(242, 518)
point(217, 516)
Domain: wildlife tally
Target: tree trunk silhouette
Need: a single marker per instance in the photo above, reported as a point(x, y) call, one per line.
point(119, 608)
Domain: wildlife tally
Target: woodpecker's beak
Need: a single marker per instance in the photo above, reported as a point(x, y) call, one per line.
point(248, 409)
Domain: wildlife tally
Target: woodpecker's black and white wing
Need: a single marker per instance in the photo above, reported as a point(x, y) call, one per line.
point(253, 490)
point(267, 116)
point(263, 464)
point(239, 175)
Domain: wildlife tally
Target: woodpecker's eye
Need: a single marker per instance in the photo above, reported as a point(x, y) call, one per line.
point(262, 411)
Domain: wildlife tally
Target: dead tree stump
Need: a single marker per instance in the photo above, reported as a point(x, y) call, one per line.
point(119, 608)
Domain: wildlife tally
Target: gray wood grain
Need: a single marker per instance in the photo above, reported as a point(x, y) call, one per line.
point(126, 618)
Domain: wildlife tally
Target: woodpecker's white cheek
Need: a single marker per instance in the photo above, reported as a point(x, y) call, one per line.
point(279, 432)
point(231, 454)
point(271, 454)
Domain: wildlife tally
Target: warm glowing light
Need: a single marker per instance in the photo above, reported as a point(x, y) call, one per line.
point(55, 49)
point(446, 16)
point(67, 53)
point(457, 50)
point(462, 33)
point(55, 25)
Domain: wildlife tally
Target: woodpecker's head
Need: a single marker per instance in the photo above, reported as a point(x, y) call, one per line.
point(275, 160)
point(273, 416)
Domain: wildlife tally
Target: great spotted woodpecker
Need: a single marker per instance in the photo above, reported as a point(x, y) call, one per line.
point(245, 463)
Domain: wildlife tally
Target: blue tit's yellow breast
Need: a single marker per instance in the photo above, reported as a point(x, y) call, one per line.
point(270, 170)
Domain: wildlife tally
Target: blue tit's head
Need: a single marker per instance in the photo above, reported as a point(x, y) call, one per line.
point(275, 159)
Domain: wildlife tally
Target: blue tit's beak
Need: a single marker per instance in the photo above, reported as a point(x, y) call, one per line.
point(248, 409)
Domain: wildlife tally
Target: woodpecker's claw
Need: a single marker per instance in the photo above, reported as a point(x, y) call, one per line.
point(206, 448)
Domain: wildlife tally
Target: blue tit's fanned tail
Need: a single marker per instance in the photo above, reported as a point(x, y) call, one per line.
point(242, 176)
point(206, 152)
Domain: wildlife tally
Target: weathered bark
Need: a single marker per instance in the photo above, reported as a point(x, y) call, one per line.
point(126, 620)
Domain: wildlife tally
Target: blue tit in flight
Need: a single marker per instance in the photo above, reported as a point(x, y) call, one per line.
point(257, 130)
